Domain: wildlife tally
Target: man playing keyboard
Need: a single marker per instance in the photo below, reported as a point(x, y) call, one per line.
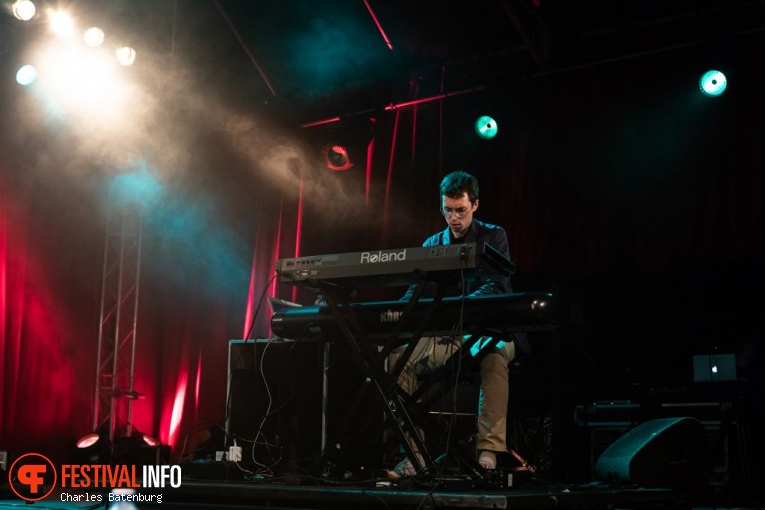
point(459, 201)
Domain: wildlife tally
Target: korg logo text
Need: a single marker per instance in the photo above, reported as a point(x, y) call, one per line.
point(390, 316)
point(374, 257)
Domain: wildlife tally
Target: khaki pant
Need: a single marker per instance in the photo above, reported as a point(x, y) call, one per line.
point(431, 353)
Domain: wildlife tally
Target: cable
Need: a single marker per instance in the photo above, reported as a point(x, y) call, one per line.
point(259, 431)
point(260, 304)
point(455, 376)
point(232, 363)
point(260, 438)
point(188, 433)
point(246, 340)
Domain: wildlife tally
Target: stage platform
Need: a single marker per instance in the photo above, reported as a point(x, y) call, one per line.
point(453, 493)
point(415, 495)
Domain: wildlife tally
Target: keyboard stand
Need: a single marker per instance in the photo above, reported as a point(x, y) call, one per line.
point(406, 414)
point(396, 404)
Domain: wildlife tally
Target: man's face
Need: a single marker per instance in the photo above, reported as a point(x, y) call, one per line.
point(458, 213)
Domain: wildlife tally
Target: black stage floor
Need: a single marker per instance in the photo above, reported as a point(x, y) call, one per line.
point(451, 493)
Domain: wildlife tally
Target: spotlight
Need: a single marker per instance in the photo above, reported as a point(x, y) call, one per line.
point(486, 127)
point(26, 75)
point(24, 10)
point(94, 37)
point(713, 83)
point(337, 158)
point(126, 56)
point(139, 449)
point(61, 23)
point(93, 448)
point(88, 440)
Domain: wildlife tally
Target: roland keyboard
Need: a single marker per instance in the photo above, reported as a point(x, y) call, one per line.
point(403, 266)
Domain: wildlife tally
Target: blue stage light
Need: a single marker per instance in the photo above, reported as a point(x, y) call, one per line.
point(713, 83)
point(486, 127)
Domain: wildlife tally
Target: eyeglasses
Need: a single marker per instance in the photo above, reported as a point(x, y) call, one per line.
point(460, 212)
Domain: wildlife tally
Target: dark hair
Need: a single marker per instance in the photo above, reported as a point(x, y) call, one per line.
point(455, 184)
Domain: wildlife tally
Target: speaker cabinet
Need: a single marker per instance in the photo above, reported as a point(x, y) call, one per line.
point(286, 399)
point(663, 453)
point(274, 403)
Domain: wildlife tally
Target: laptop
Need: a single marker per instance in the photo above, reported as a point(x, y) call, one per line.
point(714, 368)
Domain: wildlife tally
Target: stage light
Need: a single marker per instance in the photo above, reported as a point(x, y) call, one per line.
point(126, 56)
point(337, 158)
point(139, 449)
point(93, 448)
point(713, 83)
point(78, 79)
point(486, 127)
point(88, 440)
point(26, 75)
point(24, 10)
point(61, 23)
point(93, 37)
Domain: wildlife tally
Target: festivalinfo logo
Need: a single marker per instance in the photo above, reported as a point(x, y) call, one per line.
point(34, 477)
point(372, 257)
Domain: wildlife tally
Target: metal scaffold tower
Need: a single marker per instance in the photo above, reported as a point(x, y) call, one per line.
point(115, 365)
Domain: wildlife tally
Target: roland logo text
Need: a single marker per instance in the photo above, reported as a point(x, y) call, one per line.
point(380, 256)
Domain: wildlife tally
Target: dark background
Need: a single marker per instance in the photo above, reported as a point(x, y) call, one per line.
point(627, 193)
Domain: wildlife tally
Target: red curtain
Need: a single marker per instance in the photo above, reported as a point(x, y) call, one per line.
point(46, 335)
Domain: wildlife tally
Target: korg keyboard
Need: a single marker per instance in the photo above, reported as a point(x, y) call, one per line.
point(513, 312)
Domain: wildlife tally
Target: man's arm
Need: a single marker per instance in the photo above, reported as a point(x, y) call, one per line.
point(497, 238)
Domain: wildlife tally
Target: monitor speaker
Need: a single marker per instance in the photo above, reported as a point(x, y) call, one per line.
point(664, 453)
